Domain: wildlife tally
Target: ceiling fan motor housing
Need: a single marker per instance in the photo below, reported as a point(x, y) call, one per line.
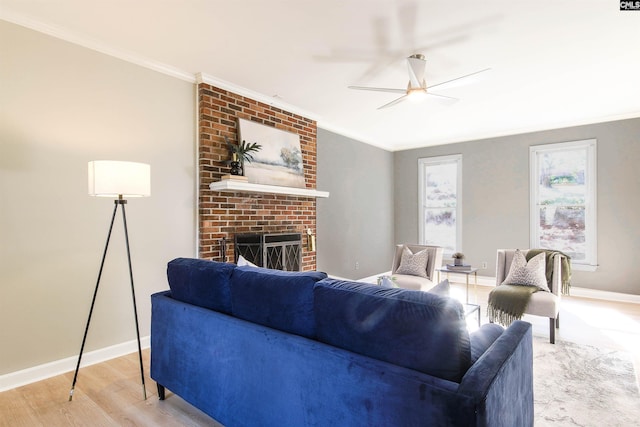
point(416, 65)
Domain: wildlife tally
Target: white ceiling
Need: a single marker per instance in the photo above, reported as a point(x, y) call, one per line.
point(555, 63)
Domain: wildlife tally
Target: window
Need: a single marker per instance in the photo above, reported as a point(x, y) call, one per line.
point(563, 200)
point(440, 193)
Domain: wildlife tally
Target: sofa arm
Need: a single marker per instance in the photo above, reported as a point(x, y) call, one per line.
point(500, 383)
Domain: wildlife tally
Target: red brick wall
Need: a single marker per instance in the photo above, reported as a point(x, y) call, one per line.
point(223, 214)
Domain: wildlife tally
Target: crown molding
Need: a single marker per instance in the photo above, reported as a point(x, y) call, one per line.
point(71, 37)
point(330, 127)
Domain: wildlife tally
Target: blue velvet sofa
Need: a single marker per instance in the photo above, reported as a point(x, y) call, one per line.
point(256, 347)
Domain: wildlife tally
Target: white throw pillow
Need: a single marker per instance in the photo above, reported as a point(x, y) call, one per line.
point(413, 264)
point(532, 273)
point(242, 261)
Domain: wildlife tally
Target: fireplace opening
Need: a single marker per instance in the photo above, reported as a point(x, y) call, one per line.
point(274, 251)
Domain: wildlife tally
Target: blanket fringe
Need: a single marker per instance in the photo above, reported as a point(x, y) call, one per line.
point(566, 288)
point(502, 317)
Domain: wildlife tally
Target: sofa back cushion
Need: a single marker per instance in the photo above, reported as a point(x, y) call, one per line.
point(414, 329)
point(277, 299)
point(201, 282)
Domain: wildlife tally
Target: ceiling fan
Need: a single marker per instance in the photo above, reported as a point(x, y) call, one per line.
point(417, 87)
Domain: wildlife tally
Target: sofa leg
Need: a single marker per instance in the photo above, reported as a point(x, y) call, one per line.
point(558, 321)
point(552, 330)
point(160, 391)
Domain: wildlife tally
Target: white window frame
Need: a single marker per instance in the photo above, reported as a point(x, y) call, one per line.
point(590, 262)
point(423, 163)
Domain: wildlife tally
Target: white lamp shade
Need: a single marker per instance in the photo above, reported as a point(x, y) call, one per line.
point(110, 178)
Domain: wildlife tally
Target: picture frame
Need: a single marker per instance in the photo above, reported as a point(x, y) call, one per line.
point(279, 162)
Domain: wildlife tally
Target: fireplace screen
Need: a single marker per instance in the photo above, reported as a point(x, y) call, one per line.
point(275, 251)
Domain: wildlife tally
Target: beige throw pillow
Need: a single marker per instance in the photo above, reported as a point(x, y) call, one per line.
point(532, 273)
point(413, 264)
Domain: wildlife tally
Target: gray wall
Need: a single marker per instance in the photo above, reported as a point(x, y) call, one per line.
point(61, 106)
point(355, 224)
point(495, 199)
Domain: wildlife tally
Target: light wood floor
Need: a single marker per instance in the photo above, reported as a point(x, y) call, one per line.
point(106, 394)
point(110, 393)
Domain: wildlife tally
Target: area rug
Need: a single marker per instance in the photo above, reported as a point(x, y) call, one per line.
point(579, 385)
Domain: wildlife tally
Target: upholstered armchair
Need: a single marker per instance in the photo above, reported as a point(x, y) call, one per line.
point(546, 304)
point(415, 281)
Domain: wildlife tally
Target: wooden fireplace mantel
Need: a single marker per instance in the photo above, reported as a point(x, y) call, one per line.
point(247, 187)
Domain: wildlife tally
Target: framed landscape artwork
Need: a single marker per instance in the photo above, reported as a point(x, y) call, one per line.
point(279, 161)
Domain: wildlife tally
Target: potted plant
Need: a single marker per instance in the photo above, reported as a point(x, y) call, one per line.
point(240, 153)
point(457, 258)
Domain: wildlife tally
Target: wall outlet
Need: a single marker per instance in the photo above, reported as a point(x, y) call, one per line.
point(357, 265)
point(484, 265)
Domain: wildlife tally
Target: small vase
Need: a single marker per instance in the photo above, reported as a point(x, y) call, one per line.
point(457, 261)
point(235, 164)
point(235, 168)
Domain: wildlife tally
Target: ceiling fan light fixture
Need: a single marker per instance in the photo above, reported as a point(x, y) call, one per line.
point(416, 96)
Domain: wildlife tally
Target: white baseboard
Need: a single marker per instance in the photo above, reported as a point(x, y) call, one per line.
point(604, 295)
point(57, 367)
point(485, 281)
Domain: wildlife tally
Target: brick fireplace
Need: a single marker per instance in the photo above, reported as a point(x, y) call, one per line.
point(222, 215)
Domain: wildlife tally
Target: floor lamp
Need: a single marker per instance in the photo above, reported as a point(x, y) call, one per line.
point(117, 179)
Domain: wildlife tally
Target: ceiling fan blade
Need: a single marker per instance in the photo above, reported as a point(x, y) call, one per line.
point(394, 102)
point(462, 80)
point(378, 89)
point(442, 98)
